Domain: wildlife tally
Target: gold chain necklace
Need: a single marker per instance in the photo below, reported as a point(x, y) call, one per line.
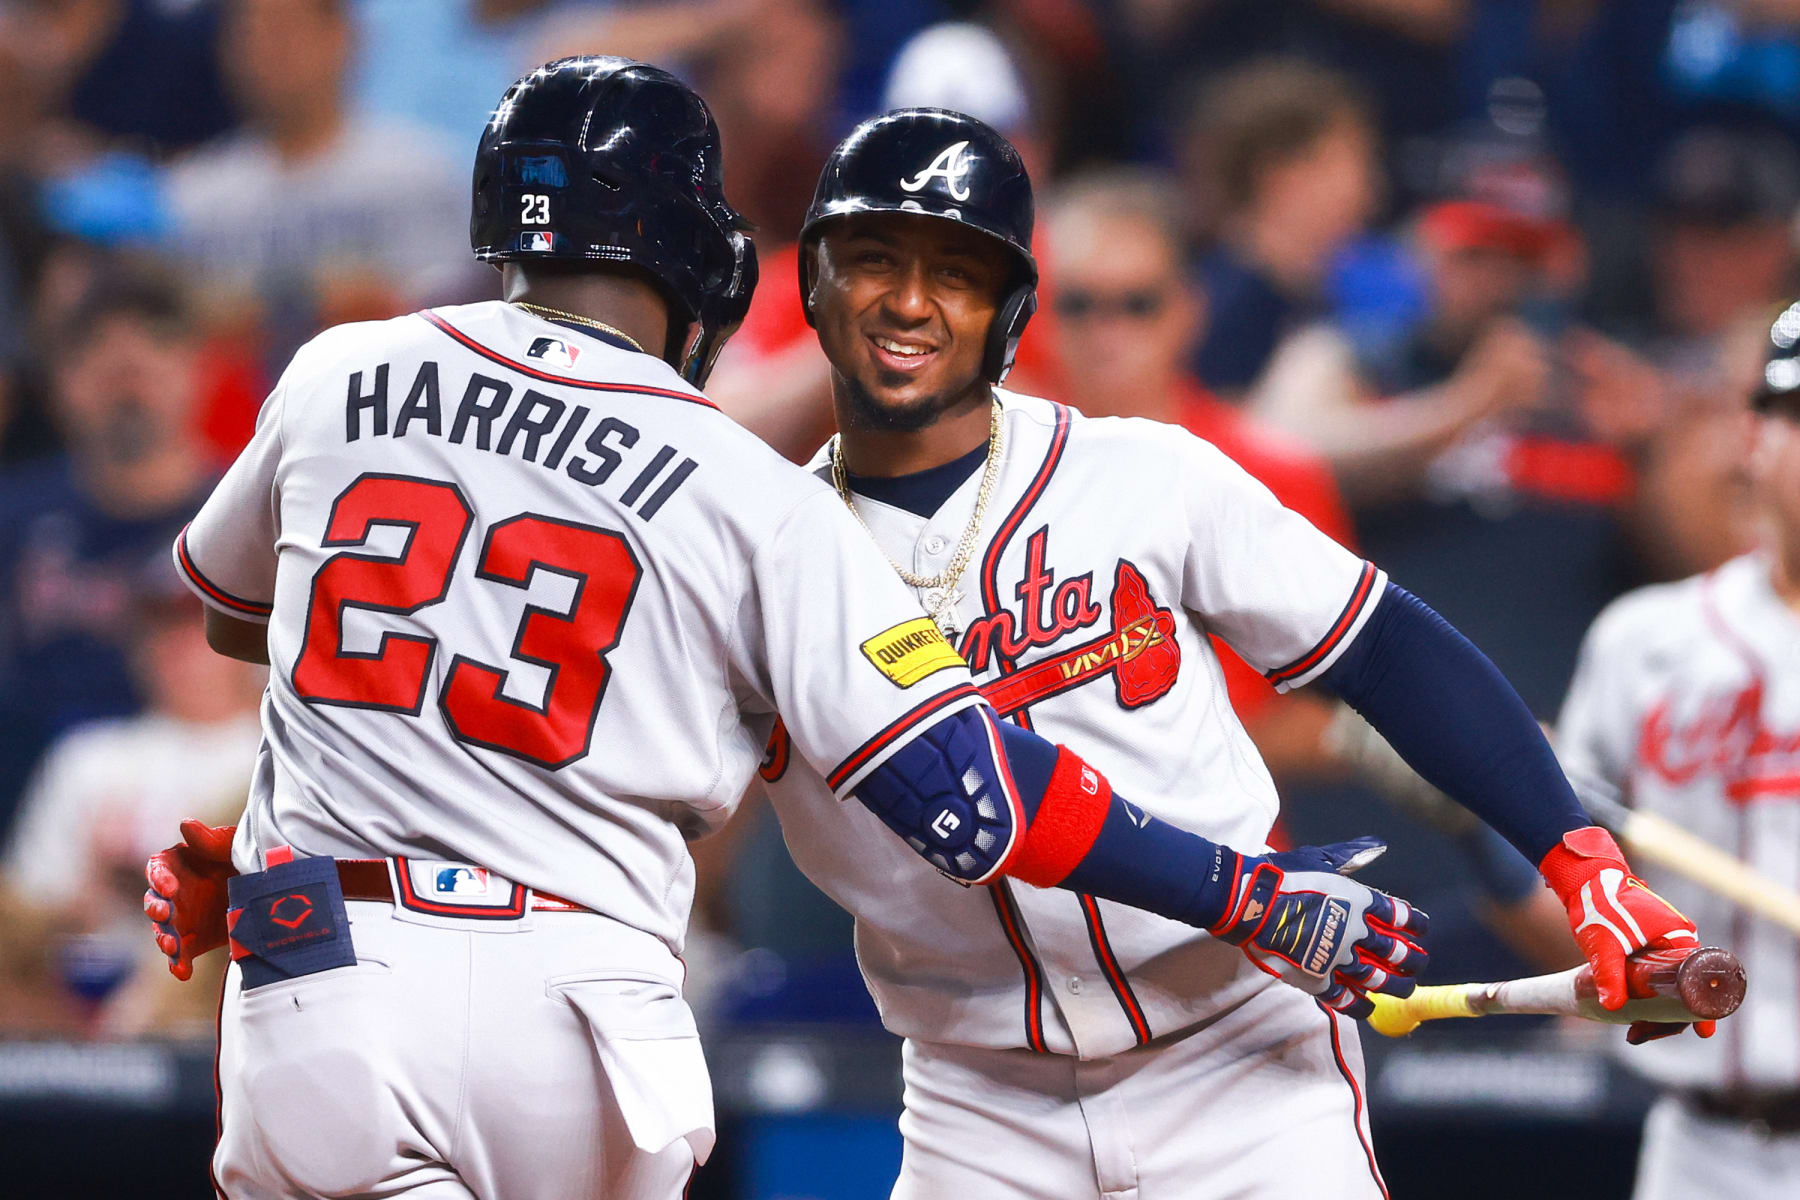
point(940, 589)
point(557, 314)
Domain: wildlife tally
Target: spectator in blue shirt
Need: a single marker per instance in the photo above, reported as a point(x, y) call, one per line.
point(79, 531)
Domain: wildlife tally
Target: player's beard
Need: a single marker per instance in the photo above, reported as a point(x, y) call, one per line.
point(866, 411)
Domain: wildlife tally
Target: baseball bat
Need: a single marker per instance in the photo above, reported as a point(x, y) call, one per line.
point(1664, 985)
point(1649, 836)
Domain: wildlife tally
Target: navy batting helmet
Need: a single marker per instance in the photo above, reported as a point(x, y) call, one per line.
point(936, 163)
point(605, 160)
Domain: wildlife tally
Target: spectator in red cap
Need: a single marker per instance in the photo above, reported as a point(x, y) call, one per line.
point(1471, 469)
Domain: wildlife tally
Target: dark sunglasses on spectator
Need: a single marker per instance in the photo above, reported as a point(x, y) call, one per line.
point(1138, 304)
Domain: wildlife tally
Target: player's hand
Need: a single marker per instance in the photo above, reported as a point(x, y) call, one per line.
point(186, 899)
point(1298, 918)
point(1611, 911)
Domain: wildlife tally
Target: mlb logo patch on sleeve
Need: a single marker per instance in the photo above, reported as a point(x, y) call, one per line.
point(910, 651)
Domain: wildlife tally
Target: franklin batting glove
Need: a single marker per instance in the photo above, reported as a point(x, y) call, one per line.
point(1298, 918)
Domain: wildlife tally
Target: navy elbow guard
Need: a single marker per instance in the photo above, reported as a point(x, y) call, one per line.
point(949, 794)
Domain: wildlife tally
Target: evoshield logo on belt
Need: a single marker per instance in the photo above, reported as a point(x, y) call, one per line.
point(1333, 919)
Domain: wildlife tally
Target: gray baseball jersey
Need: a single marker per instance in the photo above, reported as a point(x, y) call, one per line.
point(1110, 550)
point(533, 602)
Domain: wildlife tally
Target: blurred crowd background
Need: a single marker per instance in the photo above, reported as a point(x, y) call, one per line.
point(1477, 285)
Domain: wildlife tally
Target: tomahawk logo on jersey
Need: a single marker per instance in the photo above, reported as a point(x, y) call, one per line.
point(1086, 620)
point(547, 594)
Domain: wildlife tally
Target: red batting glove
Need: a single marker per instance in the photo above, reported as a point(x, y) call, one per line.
point(186, 900)
point(1648, 1031)
point(1611, 911)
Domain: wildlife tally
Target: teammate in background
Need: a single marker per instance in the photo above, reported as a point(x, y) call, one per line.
point(1687, 700)
point(531, 605)
point(1059, 1045)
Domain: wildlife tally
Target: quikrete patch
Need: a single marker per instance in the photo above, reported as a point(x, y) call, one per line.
point(910, 651)
point(288, 921)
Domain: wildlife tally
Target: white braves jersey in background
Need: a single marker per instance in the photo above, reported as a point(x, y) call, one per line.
point(1110, 549)
point(1687, 699)
point(533, 603)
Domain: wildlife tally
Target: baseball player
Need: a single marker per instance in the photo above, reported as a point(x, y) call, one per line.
point(1687, 700)
point(531, 605)
point(1057, 1044)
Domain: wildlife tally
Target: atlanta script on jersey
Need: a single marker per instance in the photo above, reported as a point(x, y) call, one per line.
point(532, 604)
point(1110, 551)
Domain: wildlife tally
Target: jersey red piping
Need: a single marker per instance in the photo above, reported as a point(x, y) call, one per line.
point(892, 733)
point(590, 385)
point(212, 589)
point(990, 561)
point(1115, 974)
point(1001, 893)
point(1365, 582)
point(1357, 1114)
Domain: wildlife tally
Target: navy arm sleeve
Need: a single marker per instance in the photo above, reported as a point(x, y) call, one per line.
point(1135, 859)
point(1455, 719)
point(965, 789)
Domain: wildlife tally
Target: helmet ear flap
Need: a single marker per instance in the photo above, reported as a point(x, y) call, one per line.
point(809, 275)
point(1004, 334)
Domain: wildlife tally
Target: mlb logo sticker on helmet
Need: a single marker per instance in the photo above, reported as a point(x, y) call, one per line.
point(537, 241)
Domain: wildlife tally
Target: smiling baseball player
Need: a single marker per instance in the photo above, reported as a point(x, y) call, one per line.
point(1059, 1044)
point(1687, 700)
point(531, 605)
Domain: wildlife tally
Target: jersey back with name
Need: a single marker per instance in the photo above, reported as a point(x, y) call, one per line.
point(532, 603)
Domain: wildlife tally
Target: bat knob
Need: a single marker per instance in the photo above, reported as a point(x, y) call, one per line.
point(1710, 983)
point(1391, 1018)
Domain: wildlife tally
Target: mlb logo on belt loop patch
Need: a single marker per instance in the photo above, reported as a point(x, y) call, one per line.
point(455, 889)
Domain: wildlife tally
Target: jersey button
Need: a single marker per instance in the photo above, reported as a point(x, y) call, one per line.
point(1075, 985)
point(935, 544)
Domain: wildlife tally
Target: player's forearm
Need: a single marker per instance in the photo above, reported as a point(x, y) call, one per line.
point(1084, 837)
point(980, 799)
point(1453, 717)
